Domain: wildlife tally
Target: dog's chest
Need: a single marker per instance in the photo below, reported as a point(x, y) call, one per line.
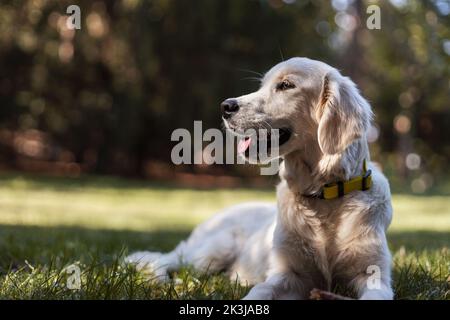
point(311, 239)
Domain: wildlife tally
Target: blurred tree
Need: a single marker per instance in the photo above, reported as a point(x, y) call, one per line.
point(106, 98)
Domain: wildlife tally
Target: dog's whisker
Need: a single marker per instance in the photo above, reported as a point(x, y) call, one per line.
point(251, 71)
point(256, 79)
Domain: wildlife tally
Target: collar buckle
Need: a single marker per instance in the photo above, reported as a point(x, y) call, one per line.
point(365, 184)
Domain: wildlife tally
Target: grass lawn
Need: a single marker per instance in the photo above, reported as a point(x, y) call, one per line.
point(47, 224)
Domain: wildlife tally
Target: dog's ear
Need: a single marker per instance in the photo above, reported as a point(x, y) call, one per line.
point(343, 114)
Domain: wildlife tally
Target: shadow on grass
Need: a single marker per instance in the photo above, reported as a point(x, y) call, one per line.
point(68, 244)
point(40, 244)
point(419, 240)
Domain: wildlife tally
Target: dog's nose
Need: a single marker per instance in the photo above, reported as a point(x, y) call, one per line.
point(229, 107)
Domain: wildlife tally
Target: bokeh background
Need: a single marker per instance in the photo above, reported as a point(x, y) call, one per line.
point(86, 118)
point(105, 99)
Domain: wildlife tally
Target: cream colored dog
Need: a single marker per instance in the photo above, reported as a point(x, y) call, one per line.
point(305, 241)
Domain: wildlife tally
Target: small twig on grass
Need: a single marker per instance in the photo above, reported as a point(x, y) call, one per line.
point(317, 294)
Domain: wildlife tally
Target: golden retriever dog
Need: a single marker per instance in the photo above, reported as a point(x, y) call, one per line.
point(328, 228)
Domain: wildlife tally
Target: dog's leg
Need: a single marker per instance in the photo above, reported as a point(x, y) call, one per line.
point(278, 287)
point(369, 288)
point(154, 264)
point(206, 254)
point(373, 281)
point(383, 292)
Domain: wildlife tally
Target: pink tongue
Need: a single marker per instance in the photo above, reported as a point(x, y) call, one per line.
point(243, 145)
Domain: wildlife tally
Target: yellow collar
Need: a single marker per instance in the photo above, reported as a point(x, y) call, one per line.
point(339, 189)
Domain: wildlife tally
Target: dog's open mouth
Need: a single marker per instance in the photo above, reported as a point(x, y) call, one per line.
point(284, 134)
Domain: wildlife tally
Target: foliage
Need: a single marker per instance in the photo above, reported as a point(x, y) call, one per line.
point(106, 98)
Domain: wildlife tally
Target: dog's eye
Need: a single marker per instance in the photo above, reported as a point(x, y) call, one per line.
point(284, 85)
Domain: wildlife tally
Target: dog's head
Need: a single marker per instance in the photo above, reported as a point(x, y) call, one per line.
point(308, 101)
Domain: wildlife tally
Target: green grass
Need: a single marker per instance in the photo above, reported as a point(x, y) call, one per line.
point(47, 224)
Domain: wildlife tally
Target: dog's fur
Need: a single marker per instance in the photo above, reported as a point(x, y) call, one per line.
point(304, 242)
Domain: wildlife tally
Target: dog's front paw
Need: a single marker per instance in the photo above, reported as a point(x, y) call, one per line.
point(260, 292)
